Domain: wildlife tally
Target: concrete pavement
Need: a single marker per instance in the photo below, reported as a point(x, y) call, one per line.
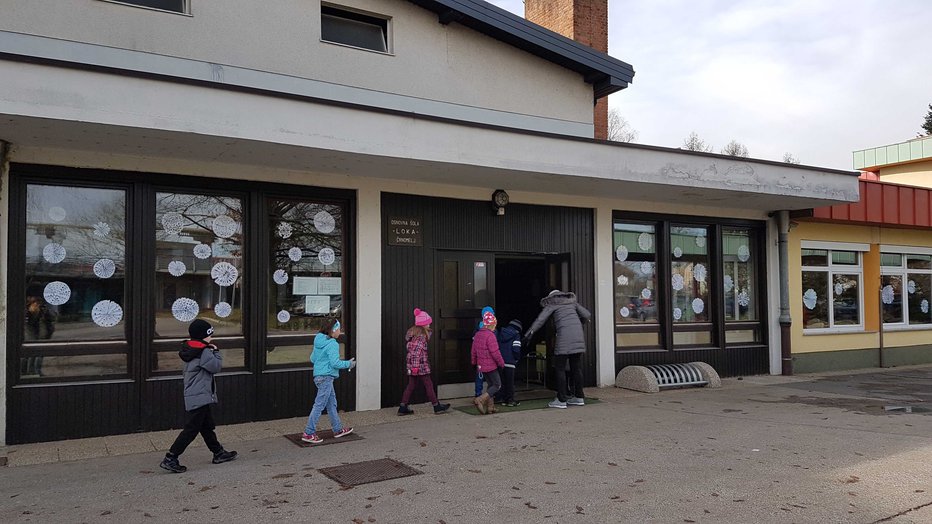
point(801, 449)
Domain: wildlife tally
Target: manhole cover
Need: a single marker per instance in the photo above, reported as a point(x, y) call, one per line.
point(369, 471)
point(325, 434)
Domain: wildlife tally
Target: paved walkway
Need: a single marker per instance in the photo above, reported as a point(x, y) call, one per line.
point(816, 448)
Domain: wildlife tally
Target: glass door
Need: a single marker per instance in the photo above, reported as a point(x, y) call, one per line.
point(465, 287)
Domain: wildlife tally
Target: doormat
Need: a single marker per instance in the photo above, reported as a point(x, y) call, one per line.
point(325, 434)
point(526, 405)
point(369, 471)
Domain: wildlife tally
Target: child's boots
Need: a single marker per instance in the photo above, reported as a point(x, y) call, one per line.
point(490, 405)
point(440, 408)
point(405, 410)
point(482, 403)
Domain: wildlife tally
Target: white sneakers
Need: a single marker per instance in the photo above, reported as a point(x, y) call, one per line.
point(572, 401)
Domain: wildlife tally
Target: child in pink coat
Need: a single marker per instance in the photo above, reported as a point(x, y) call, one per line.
point(488, 360)
point(417, 365)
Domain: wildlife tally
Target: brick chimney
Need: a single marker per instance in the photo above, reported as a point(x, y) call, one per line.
point(585, 21)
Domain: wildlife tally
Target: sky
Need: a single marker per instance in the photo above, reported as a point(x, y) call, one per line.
point(815, 78)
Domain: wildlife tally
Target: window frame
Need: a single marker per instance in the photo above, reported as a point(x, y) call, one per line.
point(903, 271)
point(384, 22)
point(831, 269)
point(186, 7)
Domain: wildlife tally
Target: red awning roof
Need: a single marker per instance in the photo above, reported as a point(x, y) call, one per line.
point(883, 204)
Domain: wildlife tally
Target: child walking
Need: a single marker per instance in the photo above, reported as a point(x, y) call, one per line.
point(509, 343)
point(487, 359)
point(418, 365)
point(327, 366)
point(201, 362)
point(479, 378)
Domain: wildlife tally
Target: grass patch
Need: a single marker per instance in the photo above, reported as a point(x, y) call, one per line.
point(526, 405)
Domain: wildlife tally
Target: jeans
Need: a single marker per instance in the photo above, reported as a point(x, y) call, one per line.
point(494, 381)
point(479, 381)
point(413, 382)
point(575, 372)
point(199, 420)
point(326, 398)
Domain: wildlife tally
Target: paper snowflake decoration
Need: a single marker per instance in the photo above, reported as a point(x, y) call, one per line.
point(677, 282)
point(283, 316)
point(839, 288)
point(646, 293)
point(104, 268)
point(645, 241)
point(924, 306)
point(185, 309)
point(700, 241)
point(647, 268)
point(911, 286)
point(624, 312)
point(284, 229)
point(677, 313)
point(53, 253)
point(324, 222)
point(57, 214)
point(176, 268)
point(295, 254)
point(744, 254)
point(621, 253)
point(223, 309)
point(699, 273)
point(280, 276)
point(224, 274)
point(172, 223)
point(744, 299)
point(326, 256)
point(224, 226)
point(622, 280)
point(101, 230)
point(698, 305)
point(809, 298)
point(677, 252)
point(56, 293)
point(202, 251)
point(887, 294)
point(107, 313)
point(729, 283)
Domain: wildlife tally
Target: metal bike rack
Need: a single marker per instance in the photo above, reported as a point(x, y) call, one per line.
point(675, 375)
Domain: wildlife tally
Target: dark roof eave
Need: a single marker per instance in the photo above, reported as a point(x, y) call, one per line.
point(607, 74)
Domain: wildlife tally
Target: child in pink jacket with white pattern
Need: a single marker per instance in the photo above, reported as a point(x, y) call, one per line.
point(488, 360)
point(417, 364)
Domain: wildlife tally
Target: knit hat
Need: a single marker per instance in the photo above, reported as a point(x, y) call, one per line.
point(200, 329)
point(517, 324)
point(488, 319)
point(421, 318)
point(487, 309)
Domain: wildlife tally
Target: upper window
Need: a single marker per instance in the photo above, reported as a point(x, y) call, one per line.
point(177, 6)
point(831, 288)
point(352, 28)
point(906, 284)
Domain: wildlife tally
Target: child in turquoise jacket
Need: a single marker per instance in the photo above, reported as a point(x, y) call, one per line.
point(327, 366)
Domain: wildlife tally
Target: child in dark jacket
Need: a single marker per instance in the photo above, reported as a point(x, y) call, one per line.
point(509, 343)
point(201, 362)
point(488, 360)
point(418, 365)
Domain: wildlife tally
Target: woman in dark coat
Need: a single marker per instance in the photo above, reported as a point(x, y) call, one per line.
point(568, 318)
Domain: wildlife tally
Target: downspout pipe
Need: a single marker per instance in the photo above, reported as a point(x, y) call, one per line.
point(786, 353)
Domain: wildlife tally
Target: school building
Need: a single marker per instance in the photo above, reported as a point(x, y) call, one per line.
point(266, 165)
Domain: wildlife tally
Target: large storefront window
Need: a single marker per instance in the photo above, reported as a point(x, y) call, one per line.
point(906, 289)
point(75, 282)
point(831, 288)
point(667, 280)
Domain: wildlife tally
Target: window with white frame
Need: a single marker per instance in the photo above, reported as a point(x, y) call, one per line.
point(175, 6)
point(353, 28)
point(906, 284)
point(832, 277)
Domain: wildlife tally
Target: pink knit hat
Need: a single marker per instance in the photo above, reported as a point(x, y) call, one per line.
point(421, 318)
point(488, 319)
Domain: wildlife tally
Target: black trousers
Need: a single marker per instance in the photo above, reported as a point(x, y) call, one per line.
point(199, 420)
point(575, 372)
point(507, 393)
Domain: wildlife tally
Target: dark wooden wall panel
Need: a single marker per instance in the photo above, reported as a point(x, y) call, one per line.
point(286, 394)
point(731, 362)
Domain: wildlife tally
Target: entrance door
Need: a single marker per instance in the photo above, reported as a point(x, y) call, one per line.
point(466, 285)
point(558, 277)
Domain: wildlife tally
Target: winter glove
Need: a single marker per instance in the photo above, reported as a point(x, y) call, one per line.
point(352, 362)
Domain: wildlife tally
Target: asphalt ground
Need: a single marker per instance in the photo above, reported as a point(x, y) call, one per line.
point(760, 449)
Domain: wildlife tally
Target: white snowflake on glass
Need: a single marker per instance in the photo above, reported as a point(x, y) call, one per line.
point(924, 306)
point(280, 276)
point(172, 223)
point(809, 298)
point(887, 294)
point(744, 299)
point(729, 283)
point(645, 241)
point(839, 288)
point(57, 214)
point(101, 230)
point(224, 274)
point(621, 253)
point(677, 313)
point(324, 222)
point(698, 306)
point(699, 273)
point(56, 293)
point(223, 309)
point(202, 251)
point(744, 253)
point(224, 226)
point(326, 256)
point(295, 254)
point(185, 310)
point(622, 280)
point(176, 268)
point(284, 229)
point(700, 241)
point(911, 286)
point(283, 316)
point(54, 253)
point(647, 268)
point(106, 313)
point(624, 312)
point(104, 268)
point(677, 252)
point(645, 294)
point(678, 282)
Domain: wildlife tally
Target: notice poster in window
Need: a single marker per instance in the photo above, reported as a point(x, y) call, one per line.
point(316, 305)
point(304, 286)
point(330, 286)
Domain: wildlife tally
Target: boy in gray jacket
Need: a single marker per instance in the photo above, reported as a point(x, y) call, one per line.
point(201, 362)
